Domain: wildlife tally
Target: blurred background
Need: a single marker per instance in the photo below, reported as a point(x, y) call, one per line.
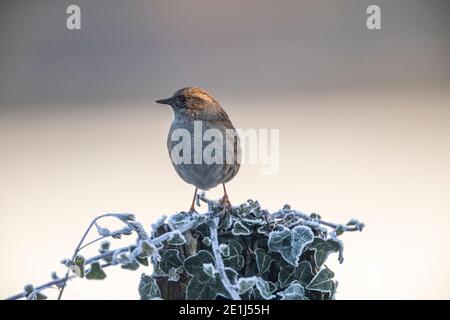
point(364, 120)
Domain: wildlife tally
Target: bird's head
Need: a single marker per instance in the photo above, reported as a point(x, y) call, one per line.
point(193, 101)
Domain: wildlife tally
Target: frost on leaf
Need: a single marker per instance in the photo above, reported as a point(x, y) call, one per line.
point(77, 266)
point(178, 220)
point(95, 272)
point(246, 284)
point(176, 239)
point(209, 269)
point(174, 274)
point(263, 260)
point(224, 249)
point(323, 281)
point(265, 288)
point(169, 258)
point(194, 264)
point(290, 243)
point(323, 248)
point(239, 229)
point(148, 289)
point(302, 273)
point(158, 223)
point(295, 291)
point(207, 288)
point(234, 260)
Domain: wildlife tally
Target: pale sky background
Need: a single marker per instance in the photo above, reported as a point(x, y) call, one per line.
point(364, 120)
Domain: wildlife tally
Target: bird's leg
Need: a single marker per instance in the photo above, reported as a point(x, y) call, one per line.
point(225, 199)
point(192, 209)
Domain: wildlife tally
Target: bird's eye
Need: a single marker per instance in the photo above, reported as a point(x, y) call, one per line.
point(182, 99)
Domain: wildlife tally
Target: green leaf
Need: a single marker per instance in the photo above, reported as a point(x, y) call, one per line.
point(264, 288)
point(208, 289)
point(95, 272)
point(245, 284)
point(104, 232)
point(235, 260)
point(302, 273)
point(263, 230)
point(177, 239)
point(239, 229)
point(147, 249)
point(290, 243)
point(77, 266)
point(254, 222)
point(200, 219)
point(133, 266)
point(143, 261)
point(125, 217)
point(226, 221)
point(180, 219)
point(235, 247)
point(194, 264)
point(263, 260)
point(169, 258)
point(322, 249)
point(322, 281)
point(224, 249)
point(105, 245)
point(209, 269)
point(295, 291)
point(174, 274)
point(148, 288)
point(206, 241)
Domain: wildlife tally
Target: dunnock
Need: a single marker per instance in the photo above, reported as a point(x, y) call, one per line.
point(193, 106)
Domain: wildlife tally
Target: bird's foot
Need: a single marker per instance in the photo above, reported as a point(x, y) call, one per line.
point(225, 205)
point(225, 201)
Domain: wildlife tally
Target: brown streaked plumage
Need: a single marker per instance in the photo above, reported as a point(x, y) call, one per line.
point(192, 105)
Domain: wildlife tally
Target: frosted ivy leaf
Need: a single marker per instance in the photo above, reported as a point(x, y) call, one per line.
point(209, 288)
point(147, 249)
point(235, 260)
point(77, 266)
point(178, 220)
point(239, 229)
point(322, 249)
point(290, 243)
point(322, 281)
point(104, 232)
point(263, 260)
point(158, 223)
point(125, 217)
point(194, 264)
point(95, 272)
point(254, 222)
point(176, 239)
point(170, 258)
point(295, 291)
point(173, 274)
point(206, 241)
point(224, 249)
point(264, 289)
point(245, 284)
point(209, 269)
point(148, 288)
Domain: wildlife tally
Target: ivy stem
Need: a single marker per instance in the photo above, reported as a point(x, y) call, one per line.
point(219, 262)
point(79, 247)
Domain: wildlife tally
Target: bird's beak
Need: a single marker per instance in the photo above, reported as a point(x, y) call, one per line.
point(165, 101)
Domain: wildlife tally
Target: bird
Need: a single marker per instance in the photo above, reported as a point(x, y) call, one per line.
point(194, 108)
